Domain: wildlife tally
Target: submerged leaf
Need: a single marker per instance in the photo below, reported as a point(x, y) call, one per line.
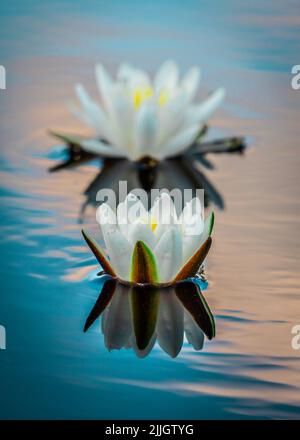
point(192, 266)
point(189, 294)
point(143, 265)
point(97, 251)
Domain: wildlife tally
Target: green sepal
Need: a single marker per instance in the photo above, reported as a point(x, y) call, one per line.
point(143, 265)
point(97, 251)
point(209, 223)
point(193, 264)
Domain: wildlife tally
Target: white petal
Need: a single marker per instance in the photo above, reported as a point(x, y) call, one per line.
point(194, 236)
point(163, 210)
point(119, 251)
point(193, 207)
point(180, 142)
point(168, 252)
point(200, 113)
point(141, 232)
point(98, 147)
point(106, 218)
point(146, 128)
point(167, 76)
point(193, 333)
point(91, 113)
point(129, 212)
point(132, 76)
point(105, 85)
point(190, 82)
point(125, 72)
point(171, 118)
point(170, 324)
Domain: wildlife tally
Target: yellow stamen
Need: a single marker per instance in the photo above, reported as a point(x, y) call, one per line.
point(140, 94)
point(137, 98)
point(163, 97)
point(153, 224)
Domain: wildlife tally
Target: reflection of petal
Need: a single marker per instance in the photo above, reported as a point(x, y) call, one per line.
point(103, 300)
point(193, 332)
point(117, 326)
point(189, 294)
point(144, 308)
point(170, 323)
point(135, 317)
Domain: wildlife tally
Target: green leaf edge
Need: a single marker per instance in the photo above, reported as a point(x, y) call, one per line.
point(210, 223)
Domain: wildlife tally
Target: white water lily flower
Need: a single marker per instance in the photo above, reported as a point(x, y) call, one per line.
point(142, 117)
point(156, 247)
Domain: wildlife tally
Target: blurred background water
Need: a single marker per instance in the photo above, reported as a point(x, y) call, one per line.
point(50, 368)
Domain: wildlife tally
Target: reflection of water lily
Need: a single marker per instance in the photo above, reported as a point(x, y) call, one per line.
point(136, 317)
point(140, 117)
point(155, 247)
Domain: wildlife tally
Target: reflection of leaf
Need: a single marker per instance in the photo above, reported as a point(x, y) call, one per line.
point(144, 307)
point(189, 294)
point(143, 265)
point(193, 264)
point(95, 248)
point(102, 302)
point(202, 159)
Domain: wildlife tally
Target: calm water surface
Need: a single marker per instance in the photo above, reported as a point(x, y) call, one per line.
point(50, 368)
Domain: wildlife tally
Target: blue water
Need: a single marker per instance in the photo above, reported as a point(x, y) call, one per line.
point(51, 369)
